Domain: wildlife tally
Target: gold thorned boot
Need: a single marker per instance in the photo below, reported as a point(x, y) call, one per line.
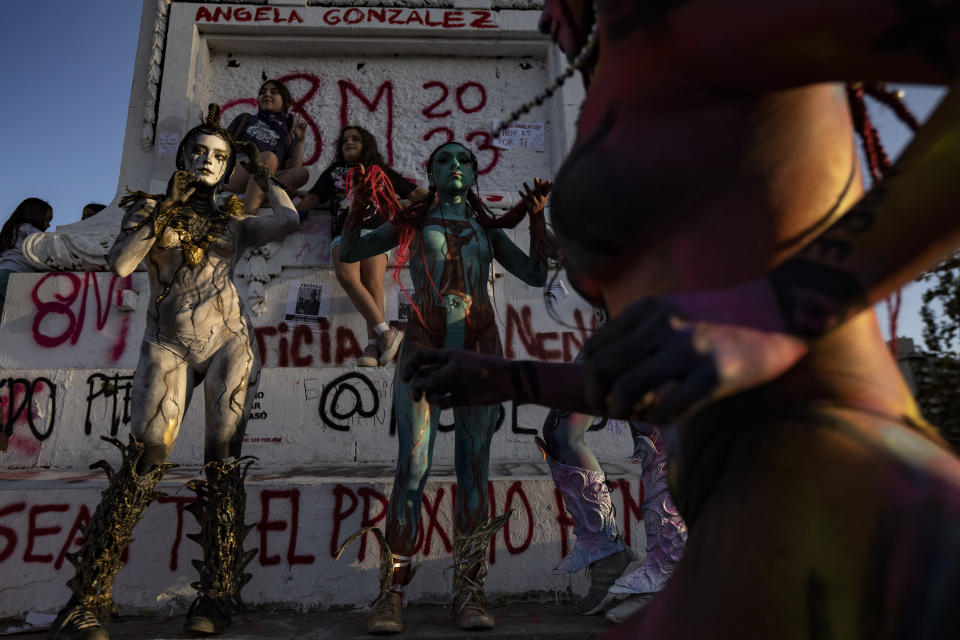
point(469, 572)
point(219, 509)
point(386, 615)
point(97, 561)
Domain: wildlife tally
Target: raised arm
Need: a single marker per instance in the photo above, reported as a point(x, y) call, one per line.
point(144, 221)
point(259, 230)
point(353, 246)
point(905, 224)
point(136, 237)
point(531, 267)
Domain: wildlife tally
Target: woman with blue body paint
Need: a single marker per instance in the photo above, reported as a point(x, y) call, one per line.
point(449, 241)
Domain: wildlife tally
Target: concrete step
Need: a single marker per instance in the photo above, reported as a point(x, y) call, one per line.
point(555, 620)
point(301, 516)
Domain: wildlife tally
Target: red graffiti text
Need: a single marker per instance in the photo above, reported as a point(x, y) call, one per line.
point(302, 347)
point(241, 14)
point(435, 18)
point(60, 318)
point(550, 346)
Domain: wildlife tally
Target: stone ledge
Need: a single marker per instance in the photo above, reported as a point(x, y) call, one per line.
point(546, 618)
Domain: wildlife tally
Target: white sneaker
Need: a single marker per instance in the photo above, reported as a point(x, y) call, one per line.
point(370, 357)
point(388, 342)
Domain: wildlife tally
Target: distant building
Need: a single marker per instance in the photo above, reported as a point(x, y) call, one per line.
point(935, 383)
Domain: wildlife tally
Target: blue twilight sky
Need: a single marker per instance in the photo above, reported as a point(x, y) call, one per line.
point(66, 73)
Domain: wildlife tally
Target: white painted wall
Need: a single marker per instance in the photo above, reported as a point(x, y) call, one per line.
point(295, 565)
point(78, 343)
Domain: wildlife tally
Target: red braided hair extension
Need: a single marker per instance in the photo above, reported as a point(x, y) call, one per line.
point(373, 196)
point(878, 162)
point(372, 190)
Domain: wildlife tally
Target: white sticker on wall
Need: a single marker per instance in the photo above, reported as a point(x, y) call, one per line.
point(554, 292)
point(167, 143)
point(520, 135)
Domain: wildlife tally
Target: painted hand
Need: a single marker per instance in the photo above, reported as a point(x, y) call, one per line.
point(454, 377)
point(181, 187)
point(665, 358)
point(536, 198)
point(260, 172)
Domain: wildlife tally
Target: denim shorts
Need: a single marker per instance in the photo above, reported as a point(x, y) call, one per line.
point(335, 241)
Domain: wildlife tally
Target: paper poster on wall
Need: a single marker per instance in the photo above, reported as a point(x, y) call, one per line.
point(520, 135)
point(554, 292)
point(167, 143)
point(398, 305)
point(306, 303)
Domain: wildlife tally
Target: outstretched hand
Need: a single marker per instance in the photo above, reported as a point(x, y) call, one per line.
point(666, 357)
point(455, 377)
point(536, 198)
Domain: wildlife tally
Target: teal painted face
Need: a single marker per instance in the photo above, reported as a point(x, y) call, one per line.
point(452, 169)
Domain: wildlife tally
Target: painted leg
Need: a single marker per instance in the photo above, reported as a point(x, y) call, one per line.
point(666, 531)
point(416, 433)
point(472, 531)
point(160, 385)
point(219, 510)
point(108, 533)
point(231, 384)
point(587, 500)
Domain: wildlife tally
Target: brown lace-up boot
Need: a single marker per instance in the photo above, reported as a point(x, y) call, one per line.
point(386, 615)
point(469, 573)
